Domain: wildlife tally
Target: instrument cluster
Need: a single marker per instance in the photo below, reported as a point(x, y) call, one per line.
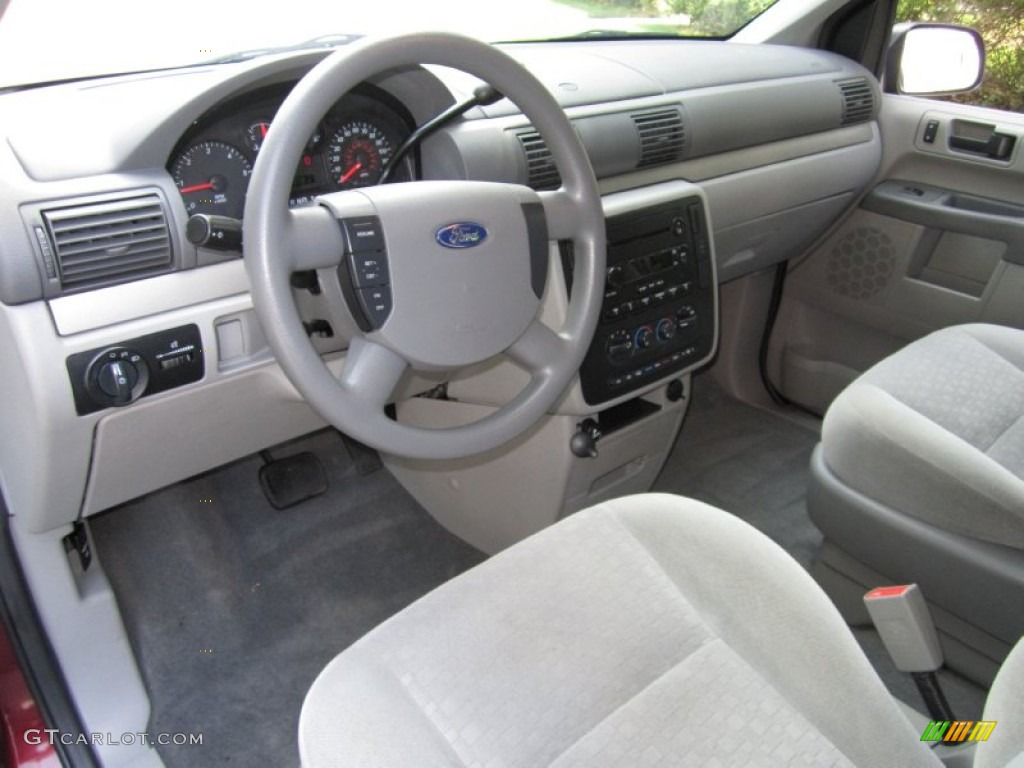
point(351, 147)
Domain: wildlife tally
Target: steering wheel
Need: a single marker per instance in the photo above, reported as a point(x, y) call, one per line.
point(438, 274)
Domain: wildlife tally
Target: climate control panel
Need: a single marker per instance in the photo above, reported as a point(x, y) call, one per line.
point(122, 373)
point(658, 314)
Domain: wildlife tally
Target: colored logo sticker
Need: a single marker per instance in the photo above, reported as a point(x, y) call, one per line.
point(956, 731)
point(461, 234)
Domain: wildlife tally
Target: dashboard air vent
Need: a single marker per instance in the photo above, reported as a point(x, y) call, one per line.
point(858, 100)
point(541, 172)
point(108, 241)
point(662, 136)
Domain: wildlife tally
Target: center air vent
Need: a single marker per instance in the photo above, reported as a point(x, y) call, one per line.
point(106, 242)
point(541, 172)
point(662, 136)
point(858, 100)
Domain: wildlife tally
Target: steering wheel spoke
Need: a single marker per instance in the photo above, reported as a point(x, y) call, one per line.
point(371, 373)
point(538, 348)
point(562, 212)
point(314, 239)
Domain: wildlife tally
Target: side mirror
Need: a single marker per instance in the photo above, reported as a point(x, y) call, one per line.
point(934, 59)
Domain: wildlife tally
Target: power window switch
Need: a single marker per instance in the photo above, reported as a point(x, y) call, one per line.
point(931, 130)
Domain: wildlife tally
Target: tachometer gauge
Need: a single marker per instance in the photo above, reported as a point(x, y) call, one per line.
point(212, 177)
point(357, 154)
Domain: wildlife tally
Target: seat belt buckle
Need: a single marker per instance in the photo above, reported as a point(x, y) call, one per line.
point(905, 625)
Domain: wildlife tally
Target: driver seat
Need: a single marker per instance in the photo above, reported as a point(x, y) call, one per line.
point(648, 630)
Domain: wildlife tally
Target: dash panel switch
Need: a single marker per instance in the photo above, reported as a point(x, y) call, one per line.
point(230, 341)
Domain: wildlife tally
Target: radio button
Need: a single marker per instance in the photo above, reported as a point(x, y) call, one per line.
point(619, 347)
point(686, 316)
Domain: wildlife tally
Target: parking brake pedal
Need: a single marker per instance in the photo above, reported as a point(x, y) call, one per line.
point(292, 480)
point(902, 619)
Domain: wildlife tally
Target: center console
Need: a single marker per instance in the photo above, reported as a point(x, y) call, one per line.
point(658, 315)
point(613, 433)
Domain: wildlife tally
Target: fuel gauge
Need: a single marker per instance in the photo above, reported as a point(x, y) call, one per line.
point(255, 134)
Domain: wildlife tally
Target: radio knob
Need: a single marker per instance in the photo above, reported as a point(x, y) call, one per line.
point(666, 329)
point(615, 276)
point(644, 337)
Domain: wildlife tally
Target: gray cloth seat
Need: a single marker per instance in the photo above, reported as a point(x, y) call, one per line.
point(920, 477)
point(649, 630)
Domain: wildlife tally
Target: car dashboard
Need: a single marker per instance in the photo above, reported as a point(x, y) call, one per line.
point(759, 148)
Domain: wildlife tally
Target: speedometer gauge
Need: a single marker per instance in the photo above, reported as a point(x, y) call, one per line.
point(357, 154)
point(212, 177)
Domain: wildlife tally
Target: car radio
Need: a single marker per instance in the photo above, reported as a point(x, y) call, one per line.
point(658, 313)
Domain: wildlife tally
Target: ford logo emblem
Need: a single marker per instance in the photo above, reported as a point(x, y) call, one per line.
point(461, 234)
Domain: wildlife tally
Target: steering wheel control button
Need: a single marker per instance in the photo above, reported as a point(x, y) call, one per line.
point(368, 270)
point(376, 304)
point(363, 235)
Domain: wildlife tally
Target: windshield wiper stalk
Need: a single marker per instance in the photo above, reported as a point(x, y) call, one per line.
point(482, 96)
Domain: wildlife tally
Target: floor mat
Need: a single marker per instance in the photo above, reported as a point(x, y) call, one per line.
point(747, 461)
point(755, 464)
point(234, 607)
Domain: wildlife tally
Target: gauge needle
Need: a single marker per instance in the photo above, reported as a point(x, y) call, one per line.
point(196, 188)
point(350, 173)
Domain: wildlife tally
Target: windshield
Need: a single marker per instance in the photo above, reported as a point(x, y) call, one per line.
point(45, 40)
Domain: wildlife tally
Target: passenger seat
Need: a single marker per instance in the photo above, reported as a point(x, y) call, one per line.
point(919, 477)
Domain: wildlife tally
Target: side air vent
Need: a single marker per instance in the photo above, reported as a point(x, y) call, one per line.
point(662, 136)
point(541, 172)
point(109, 241)
point(858, 100)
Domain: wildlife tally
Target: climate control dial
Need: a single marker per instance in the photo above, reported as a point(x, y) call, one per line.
point(644, 337)
point(666, 330)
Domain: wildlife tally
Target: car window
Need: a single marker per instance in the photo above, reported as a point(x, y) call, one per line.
point(1001, 25)
point(117, 36)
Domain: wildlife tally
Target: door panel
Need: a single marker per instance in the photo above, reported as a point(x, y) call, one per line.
point(937, 241)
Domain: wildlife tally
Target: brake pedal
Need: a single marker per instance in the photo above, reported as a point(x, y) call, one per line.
point(292, 480)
